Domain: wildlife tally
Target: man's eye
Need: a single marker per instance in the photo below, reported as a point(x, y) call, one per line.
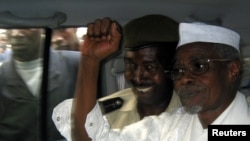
point(130, 65)
point(150, 67)
point(199, 65)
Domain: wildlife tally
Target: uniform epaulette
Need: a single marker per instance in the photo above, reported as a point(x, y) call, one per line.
point(111, 105)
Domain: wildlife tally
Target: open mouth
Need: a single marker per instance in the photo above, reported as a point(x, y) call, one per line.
point(144, 90)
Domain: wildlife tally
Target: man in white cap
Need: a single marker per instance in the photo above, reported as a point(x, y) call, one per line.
point(206, 75)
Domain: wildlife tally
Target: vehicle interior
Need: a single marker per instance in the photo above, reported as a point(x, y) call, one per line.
point(76, 14)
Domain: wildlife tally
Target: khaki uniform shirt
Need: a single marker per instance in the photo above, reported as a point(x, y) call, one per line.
point(128, 114)
point(119, 118)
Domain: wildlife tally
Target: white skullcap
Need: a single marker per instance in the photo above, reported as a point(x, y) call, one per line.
point(197, 32)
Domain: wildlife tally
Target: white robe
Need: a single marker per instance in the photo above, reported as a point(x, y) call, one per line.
point(179, 126)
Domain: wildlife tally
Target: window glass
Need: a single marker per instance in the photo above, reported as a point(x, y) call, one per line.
point(20, 82)
point(67, 38)
point(28, 94)
point(29, 87)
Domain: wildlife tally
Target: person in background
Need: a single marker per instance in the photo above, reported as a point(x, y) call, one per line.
point(206, 73)
point(5, 50)
point(65, 39)
point(149, 44)
point(20, 86)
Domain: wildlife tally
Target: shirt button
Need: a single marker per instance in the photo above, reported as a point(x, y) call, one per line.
point(58, 118)
point(91, 124)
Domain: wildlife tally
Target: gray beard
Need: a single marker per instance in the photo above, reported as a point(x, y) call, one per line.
point(193, 109)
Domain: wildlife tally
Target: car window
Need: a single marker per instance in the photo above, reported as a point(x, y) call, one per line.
point(38, 70)
point(38, 85)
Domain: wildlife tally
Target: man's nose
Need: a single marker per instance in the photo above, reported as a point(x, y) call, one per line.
point(186, 77)
point(139, 74)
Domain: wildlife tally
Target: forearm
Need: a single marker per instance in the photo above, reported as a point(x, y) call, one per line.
point(102, 39)
point(85, 97)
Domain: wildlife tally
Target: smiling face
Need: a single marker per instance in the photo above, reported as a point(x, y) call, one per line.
point(144, 70)
point(206, 92)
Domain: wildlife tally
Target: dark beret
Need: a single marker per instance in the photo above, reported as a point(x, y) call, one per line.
point(150, 29)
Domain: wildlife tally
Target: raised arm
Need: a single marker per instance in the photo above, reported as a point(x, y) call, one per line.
point(102, 39)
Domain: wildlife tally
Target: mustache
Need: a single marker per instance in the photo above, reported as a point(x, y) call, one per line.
point(189, 90)
point(143, 84)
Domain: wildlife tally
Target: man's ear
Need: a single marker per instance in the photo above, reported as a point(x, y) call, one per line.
point(235, 70)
